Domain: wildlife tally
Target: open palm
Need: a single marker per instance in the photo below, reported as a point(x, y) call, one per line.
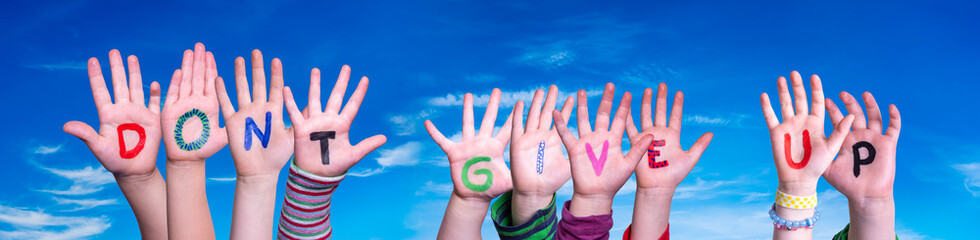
point(545, 172)
point(476, 163)
point(129, 108)
point(332, 125)
point(191, 95)
point(676, 163)
point(875, 178)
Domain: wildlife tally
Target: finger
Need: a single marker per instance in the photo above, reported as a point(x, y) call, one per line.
point(549, 106)
point(210, 74)
point(173, 92)
point(660, 114)
point(700, 145)
point(368, 145)
point(636, 152)
point(874, 114)
point(314, 107)
point(619, 121)
point(295, 116)
point(275, 89)
point(816, 88)
point(518, 129)
point(437, 136)
point(503, 136)
point(200, 69)
point(562, 126)
point(605, 108)
point(853, 108)
point(135, 82)
point(534, 113)
point(834, 112)
point(187, 68)
point(631, 130)
point(785, 102)
point(771, 119)
point(154, 97)
point(490, 116)
point(566, 109)
point(227, 109)
point(350, 110)
point(119, 89)
point(894, 121)
point(646, 110)
point(241, 83)
point(258, 77)
point(82, 131)
point(99, 91)
point(339, 90)
point(836, 138)
point(468, 128)
point(799, 94)
point(584, 127)
point(677, 112)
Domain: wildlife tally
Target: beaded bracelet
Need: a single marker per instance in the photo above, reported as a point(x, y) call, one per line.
point(781, 223)
point(795, 202)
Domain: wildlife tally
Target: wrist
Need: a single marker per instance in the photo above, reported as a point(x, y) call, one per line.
point(470, 201)
point(655, 193)
point(257, 179)
point(181, 164)
point(805, 188)
point(872, 206)
point(588, 205)
point(138, 179)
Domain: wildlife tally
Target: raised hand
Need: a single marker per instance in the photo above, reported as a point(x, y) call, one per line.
point(128, 140)
point(539, 168)
point(477, 167)
point(260, 145)
point(321, 138)
point(865, 167)
point(599, 167)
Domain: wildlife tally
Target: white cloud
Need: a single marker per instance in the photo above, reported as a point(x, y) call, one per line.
point(507, 98)
point(735, 120)
point(222, 179)
point(755, 196)
point(972, 173)
point(407, 124)
point(588, 39)
point(59, 66)
point(702, 189)
point(549, 56)
point(438, 189)
point(84, 181)
point(701, 119)
point(366, 172)
point(40, 225)
point(83, 204)
point(47, 149)
point(405, 155)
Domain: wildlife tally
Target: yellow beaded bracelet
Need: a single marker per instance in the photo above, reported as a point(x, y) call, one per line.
point(795, 202)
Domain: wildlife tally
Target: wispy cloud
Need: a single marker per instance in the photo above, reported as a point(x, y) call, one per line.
point(222, 179)
point(755, 196)
point(647, 74)
point(84, 181)
point(408, 124)
point(702, 189)
point(83, 204)
point(47, 149)
point(734, 120)
point(588, 38)
point(366, 172)
point(438, 189)
point(507, 98)
point(58, 66)
point(972, 173)
point(407, 154)
point(40, 225)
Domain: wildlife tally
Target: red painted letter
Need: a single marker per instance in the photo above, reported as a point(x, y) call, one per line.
point(806, 151)
point(122, 142)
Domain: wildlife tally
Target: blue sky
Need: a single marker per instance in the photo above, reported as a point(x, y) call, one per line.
point(421, 57)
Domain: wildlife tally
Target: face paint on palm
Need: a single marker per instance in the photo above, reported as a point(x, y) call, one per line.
point(540, 161)
point(787, 144)
point(600, 162)
point(653, 154)
point(482, 171)
point(205, 130)
point(251, 127)
point(858, 161)
point(323, 137)
point(128, 154)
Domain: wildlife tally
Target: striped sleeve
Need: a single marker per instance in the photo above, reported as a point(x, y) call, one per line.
point(306, 210)
point(842, 235)
point(541, 226)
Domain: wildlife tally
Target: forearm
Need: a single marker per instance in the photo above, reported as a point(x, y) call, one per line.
point(147, 196)
point(188, 216)
point(588, 205)
point(463, 218)
point(651, 212)
point(525, 205)
point(795, 189)
point(254, 207)
point(872, 218)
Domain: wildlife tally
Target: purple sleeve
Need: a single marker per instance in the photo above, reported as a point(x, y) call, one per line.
point(587, 227)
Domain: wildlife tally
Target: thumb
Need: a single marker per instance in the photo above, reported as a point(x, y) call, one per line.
point(368, 145)
point(81, 130)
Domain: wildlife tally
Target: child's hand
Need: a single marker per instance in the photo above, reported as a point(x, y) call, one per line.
point(129, 115)
point(321, 137)
point(260, 142)
point(800, 151)
point(599, 168)
point(536, 159)
point(190, 113)
point(666, 164)
point(874, 173)
point(477, 162)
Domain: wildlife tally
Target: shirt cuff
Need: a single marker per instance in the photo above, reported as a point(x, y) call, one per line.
point(540, 226)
